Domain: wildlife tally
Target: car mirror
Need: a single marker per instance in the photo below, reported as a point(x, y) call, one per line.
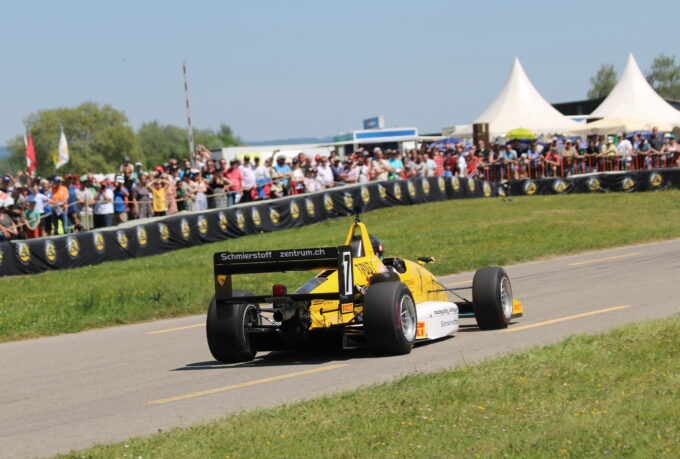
point(425, 260)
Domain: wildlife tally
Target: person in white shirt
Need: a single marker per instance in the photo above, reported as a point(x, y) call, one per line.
point(625, 148)
point(462, 165)
point(325, 173)
point(248, 182)
point(262, 177)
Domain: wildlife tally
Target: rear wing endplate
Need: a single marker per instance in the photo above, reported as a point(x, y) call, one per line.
point(227, 264)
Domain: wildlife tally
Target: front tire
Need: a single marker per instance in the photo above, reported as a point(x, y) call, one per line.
point(390, 318)
point(492, 298)
point(227, 337)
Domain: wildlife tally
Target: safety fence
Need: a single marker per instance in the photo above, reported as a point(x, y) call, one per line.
point(191, 229)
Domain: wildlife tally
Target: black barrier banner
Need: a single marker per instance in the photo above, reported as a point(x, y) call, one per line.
point(191, 229)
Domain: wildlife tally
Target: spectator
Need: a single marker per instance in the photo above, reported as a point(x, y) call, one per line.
point(282, 172)
point(141, 197)
point(249, 182)
point(31, 220)
point(298, 178)
point(569, 156)
point(396, 166)
point(186, 193)
point(263, 177)
point(218, 189)
point(200, 189)
point(59, 201)
point(103, 207)
point(625, 148)
point(235, 179)
point(120, 197)
point(552, 161)
point(72, 210)
point(8, 230)
point(324, 173)
point(86, 199)
point(158, 188)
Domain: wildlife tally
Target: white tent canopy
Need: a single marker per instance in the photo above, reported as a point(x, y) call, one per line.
point(633, 97)
point(520, 105)
point(617, 125)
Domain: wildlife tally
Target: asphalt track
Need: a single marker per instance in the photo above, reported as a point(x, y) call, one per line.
point(73, 391)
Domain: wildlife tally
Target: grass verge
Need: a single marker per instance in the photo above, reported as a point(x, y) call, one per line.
point(617, 393)
point(462, 234)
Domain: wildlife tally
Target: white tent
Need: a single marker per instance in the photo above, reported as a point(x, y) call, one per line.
point(520, 105)
point(616, 125)
point(633, 97)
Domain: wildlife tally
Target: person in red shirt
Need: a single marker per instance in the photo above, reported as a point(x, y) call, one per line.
point(233, 174)
point(438, 163)
point(552, 162)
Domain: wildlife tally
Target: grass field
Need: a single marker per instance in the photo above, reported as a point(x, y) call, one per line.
point(462, 235)
point(617, 394)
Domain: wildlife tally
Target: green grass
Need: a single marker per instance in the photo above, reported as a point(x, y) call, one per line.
point(462, 235)
point(617, 393)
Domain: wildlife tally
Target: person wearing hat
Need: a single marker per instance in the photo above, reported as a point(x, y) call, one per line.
point(103, 207)
point(31, 219)
point(569, 155)
point(141, 197)
point(282, 172)
point(59, 202)
point(120, 199)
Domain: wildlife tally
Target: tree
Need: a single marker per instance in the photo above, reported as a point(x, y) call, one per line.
point(161, 143)
point(664, 76)
point(603, 82)
point(98, 138)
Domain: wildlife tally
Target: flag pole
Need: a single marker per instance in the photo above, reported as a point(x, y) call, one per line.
point(190, 130)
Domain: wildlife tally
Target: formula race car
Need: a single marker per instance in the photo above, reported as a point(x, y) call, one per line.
point(357, 299)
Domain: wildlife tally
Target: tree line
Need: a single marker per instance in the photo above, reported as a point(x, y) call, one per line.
point(663, 76)
point(99, 136)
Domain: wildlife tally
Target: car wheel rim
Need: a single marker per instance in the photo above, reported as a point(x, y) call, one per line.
point(407, 312)
point(506, 297)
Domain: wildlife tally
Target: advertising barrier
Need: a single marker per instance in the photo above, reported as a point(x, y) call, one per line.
point(190, 229)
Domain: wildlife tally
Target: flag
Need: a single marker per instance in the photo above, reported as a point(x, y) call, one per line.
point(62, 156)
point(30, 154)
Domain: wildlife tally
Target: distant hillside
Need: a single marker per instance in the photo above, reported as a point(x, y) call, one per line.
point(296, 141)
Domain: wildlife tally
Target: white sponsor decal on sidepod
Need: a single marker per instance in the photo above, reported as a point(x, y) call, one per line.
point(440, 318)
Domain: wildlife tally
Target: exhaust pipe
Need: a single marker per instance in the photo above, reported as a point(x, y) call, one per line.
point(287, 312)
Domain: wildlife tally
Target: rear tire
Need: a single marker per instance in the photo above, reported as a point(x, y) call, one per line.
point(492, 298)
point(390, 318)
point(227, 337)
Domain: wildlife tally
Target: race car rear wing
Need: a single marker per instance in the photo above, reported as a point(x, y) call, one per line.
point(227, 264)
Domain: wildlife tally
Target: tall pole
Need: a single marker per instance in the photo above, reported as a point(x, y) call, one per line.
point(190, 130)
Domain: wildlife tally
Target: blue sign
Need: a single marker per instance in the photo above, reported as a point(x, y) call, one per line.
point(377, 122)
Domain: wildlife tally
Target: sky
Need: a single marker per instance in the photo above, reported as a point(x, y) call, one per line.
point(284, 69)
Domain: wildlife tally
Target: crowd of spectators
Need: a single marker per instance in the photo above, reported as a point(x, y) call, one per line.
point(33, 206)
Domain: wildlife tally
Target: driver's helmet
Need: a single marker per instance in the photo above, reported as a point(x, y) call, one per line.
point(377, 246)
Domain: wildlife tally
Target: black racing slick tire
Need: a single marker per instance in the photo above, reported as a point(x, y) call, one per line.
point(390, 318)
point(227, 337)
point(492, 298)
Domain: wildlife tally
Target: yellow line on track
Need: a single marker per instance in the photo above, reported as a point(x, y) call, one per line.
point(563, 319)
point(604, 259)
point(453, 284)
point(175, 329)
point(247, 384)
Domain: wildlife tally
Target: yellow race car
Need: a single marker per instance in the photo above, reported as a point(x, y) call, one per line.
point(357, 299)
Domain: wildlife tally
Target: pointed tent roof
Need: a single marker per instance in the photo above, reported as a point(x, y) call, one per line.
point(520, 105)
point(633, 97)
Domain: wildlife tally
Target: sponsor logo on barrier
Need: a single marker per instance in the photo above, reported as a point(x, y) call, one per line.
point(255, 214)
point(593, 184)
point(274, 215)
point(202, 224)
point(559, 186)
point(471, 184)
point(222, 218)
point(163, 232)
point(455, 183)
point(240, 220)
point(99, 244)
point(72, 247)
point(328, 202)
point(221, 279)
point(365, 194)
point(396, 189)
point(184, 228)
point(486, 187)
point(628, 184)
point(411, 189)
point(50, 252)
point(426, 186)
point(294, 210)
point(141, 236)
point(310, 207)
point(441, 183)
point(530, 187)
point(382, 191)
point(349, 200)
point(23, 252)
point(655, 180)
point(122, 239)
